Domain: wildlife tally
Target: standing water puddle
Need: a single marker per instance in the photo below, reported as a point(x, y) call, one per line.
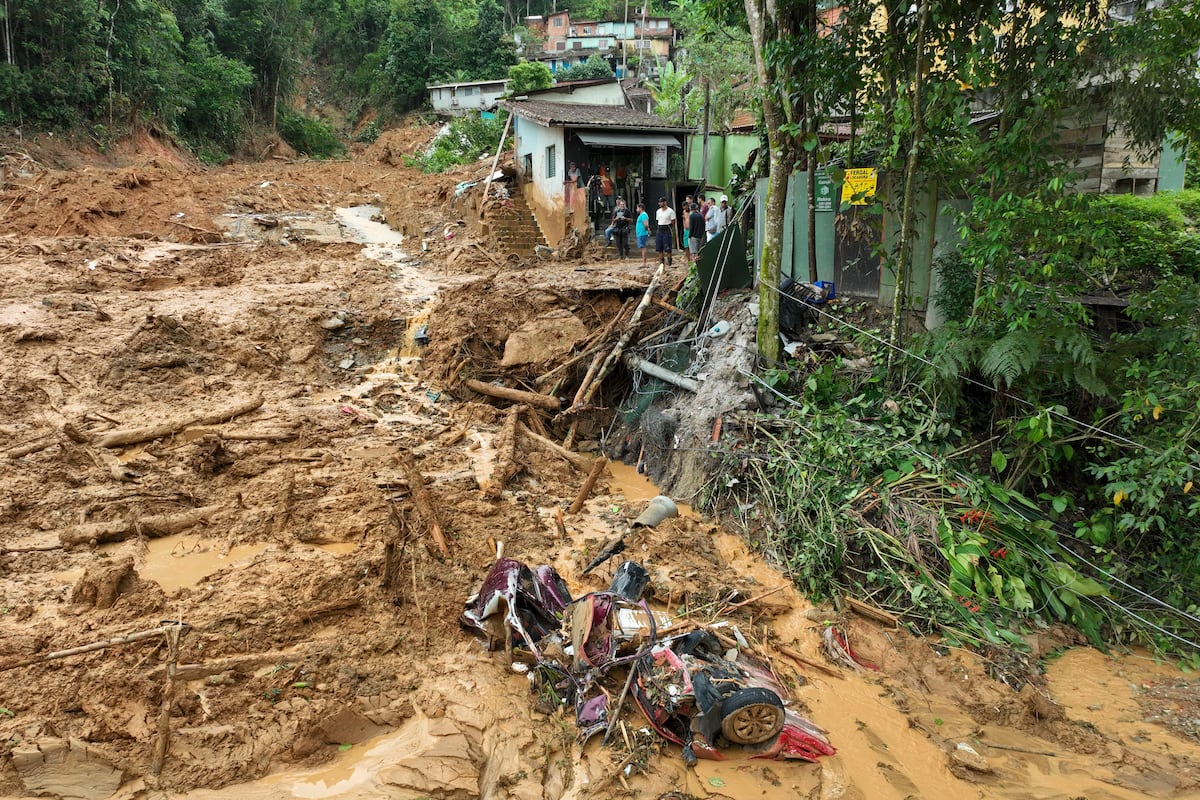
point(174, 562)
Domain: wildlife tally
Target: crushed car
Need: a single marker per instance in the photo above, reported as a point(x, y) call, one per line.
point(693, 688)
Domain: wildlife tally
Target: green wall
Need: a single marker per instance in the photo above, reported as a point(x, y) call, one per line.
point(1171, 164)
point(724, 150)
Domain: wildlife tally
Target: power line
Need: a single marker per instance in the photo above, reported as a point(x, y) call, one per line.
point(1116, 437)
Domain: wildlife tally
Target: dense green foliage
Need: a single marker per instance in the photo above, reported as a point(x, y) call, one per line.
point(207, 70)
point(528, 76)
point(1033, 464)
point(1070, 421)
point(595, 68)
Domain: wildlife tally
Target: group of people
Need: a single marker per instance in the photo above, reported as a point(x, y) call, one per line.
point(700, 222)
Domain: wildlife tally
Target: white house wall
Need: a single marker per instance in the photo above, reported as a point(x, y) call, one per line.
point(544, 194)
point(602, 94)
point(456, 100)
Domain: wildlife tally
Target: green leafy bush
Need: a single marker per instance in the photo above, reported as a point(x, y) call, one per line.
point(955, 295)
point(595, 68)
point(309, 136)
point(467, 139)
point(529, 76)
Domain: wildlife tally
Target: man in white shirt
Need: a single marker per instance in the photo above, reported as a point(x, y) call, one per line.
point(665, 217)
point(718, 218)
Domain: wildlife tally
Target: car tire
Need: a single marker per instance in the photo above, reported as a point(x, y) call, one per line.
point(751, 716)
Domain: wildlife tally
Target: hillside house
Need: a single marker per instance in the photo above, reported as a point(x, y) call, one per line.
point(619, 152)
point(458, 99)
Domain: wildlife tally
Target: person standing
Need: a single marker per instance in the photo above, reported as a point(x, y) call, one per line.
point(684, 210)
point(606, 189)
point(620, 229)
point(724, 214)
point(571, 182)
point(695, 225)
point(642, 230)
point(717, 218)
point(665, 217)
point(622, 211)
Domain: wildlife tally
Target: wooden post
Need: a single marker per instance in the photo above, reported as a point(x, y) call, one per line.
point(424, 502)
point(162, 743)
point(588, 484)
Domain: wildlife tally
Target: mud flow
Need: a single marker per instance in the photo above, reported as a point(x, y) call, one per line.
point(254, 463)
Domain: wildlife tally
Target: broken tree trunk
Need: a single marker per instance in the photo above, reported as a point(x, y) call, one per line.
point(588, 389)
point(513, 395)
point(424, 502)
point(119, 438)
point(506, 465)
point(580, 462)
point(37, 445)
point(163, 741)
point(588, 485)
point(151, 527)
point(88, 648)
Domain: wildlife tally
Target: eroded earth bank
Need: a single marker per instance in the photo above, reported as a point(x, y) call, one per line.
point(220, 386)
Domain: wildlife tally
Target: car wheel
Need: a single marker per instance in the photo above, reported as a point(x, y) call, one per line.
point(751, 716)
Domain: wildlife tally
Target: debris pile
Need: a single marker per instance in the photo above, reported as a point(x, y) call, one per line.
point(702, 687)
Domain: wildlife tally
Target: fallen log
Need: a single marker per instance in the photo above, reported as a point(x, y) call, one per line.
point(34, 446)
point(588, 389)
point(244, 664)
point(586, 489)
point(120, 438)
point(152, 527)
point(424, 503)
point(870, 612)
point(808, 662)
point(163, 739)
point(669, 307)
point(506, 465)
point(577, 460)
point(513, 395)
point(88, 648)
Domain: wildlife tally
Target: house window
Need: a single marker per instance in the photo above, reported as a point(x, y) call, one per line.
point(576, 45)
point(527, 164)
point(558, 22)
point(587, 30)
point(560, 45)
point(551, 161)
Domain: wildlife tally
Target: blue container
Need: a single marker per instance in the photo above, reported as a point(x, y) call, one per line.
point(830, 288)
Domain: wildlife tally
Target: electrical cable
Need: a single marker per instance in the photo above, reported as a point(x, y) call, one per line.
point(1115, 437)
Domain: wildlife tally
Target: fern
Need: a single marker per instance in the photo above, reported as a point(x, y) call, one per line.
point(1011, 357)
point(1081, 364)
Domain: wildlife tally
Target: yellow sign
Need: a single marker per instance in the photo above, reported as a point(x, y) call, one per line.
point(860, 182)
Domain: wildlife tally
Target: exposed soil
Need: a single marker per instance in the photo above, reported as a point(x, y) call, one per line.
point(275, 339)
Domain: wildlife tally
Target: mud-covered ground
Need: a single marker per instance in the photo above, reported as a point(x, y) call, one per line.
point(216, 399)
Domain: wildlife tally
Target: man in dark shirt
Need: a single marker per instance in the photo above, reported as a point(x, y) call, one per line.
point(695, 233)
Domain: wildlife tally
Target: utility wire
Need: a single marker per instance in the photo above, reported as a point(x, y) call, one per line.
point(1116, 437)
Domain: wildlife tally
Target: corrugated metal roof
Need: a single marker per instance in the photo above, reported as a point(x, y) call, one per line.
point(591, 116)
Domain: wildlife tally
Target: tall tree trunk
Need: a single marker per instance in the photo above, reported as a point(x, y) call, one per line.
point(810, 115)
point(1005, 102)
point(907, 232)
point(769, 21)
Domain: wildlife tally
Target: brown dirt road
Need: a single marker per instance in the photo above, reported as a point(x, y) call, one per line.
point(242, 313)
